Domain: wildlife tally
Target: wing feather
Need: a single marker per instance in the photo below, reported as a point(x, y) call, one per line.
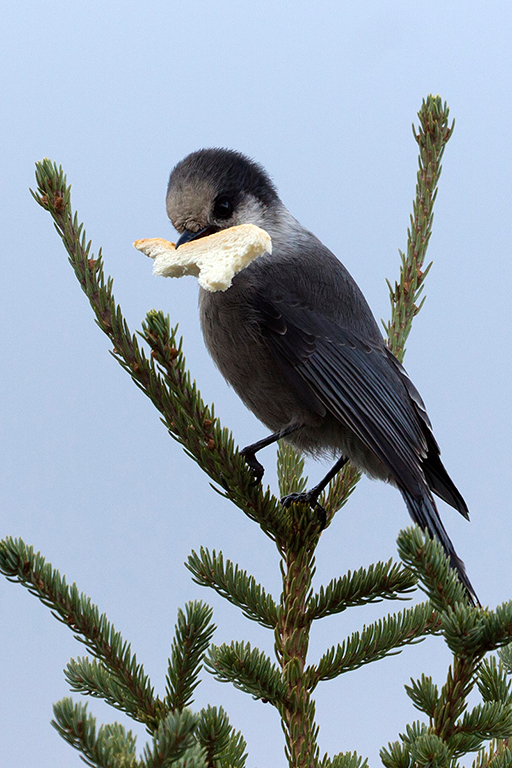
point(352, 379)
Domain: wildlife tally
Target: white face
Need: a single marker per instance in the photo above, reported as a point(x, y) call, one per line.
point(197, 205)
point(251, 211)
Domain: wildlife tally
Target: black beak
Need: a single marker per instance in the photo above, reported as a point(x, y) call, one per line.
point(186, 236)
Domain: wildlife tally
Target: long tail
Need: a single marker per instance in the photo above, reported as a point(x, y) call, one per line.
point(424, 512)
point(438, 479)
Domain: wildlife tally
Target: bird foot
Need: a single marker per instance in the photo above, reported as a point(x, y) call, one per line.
point(252, 462)
point(310, 498)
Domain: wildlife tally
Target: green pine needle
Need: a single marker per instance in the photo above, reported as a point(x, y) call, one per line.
point(193, 633)
point(111, 746)
point(493, 682)
point(429, 751)
point(339, 490)
point(396, 755)
point(235, 753)
point(381, 581)
point(162, 375)
point(174, 736)
point(248, 669)
point(235, 585)
point(19, 563)
point(424, 694)
point(92, 678)
point(344, 760)
point(383, 638)
point(290, 469)
point(213, 732)
point(490, 720)
point(157, 366)
point(427, 558)
point(497, 755)
point(432, 137)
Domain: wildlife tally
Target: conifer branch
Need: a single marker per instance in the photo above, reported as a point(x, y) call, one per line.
point(426, 557)
point(383, 638)
point(290, 469)
point(207, 741)
point(292, 638)
point(169, 387)
point(235, 753)
point(497, 755)
point(19, 563)
point(344, 760)
point(490, 720)
point(381, 581)
point(93, 678)
point(429, 749)
point(248, 669)
point(432, 137)
point(110, 746)
point(173, 737)
point(339, 490)
point(424, 694)
point(235, 585)
point(498, 630)
point(213, 733)
point(493, 682)
point(194, 425)
point(470, 633)
point(397, 753)
point(453, 699)
point(193, 634)
point(193, 757)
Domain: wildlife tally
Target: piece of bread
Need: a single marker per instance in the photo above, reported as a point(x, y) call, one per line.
point(214, 259)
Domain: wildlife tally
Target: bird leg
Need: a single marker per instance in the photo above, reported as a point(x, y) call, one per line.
point(250, 451)
point(311, 497)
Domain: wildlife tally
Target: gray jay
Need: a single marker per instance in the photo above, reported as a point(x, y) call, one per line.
point(296, 340)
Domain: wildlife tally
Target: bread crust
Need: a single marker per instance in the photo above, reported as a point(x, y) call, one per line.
point(214, 259)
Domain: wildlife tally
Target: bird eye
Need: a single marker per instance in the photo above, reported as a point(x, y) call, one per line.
point(223, 208)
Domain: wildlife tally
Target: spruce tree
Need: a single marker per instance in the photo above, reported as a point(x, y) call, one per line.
point(177, 734)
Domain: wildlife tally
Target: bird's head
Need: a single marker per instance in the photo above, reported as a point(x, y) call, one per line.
point(214, 189)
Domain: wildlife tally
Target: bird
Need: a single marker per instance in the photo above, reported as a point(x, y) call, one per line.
point(295, 338)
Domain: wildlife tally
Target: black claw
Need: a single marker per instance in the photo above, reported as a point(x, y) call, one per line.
point(310, 498)
point(306, 497)
point(296, 498)
point(224, 483)
point(252, 462)
point(321, 516)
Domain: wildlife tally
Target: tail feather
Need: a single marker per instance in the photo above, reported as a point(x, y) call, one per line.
point(424, 512)
point(441, 484)
point(439, 480)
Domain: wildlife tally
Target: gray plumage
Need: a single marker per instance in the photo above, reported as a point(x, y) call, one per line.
point(296, 339)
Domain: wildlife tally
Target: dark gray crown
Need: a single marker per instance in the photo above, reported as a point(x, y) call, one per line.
point(229, 172)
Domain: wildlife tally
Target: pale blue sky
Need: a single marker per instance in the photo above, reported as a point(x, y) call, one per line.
point(323, 95)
